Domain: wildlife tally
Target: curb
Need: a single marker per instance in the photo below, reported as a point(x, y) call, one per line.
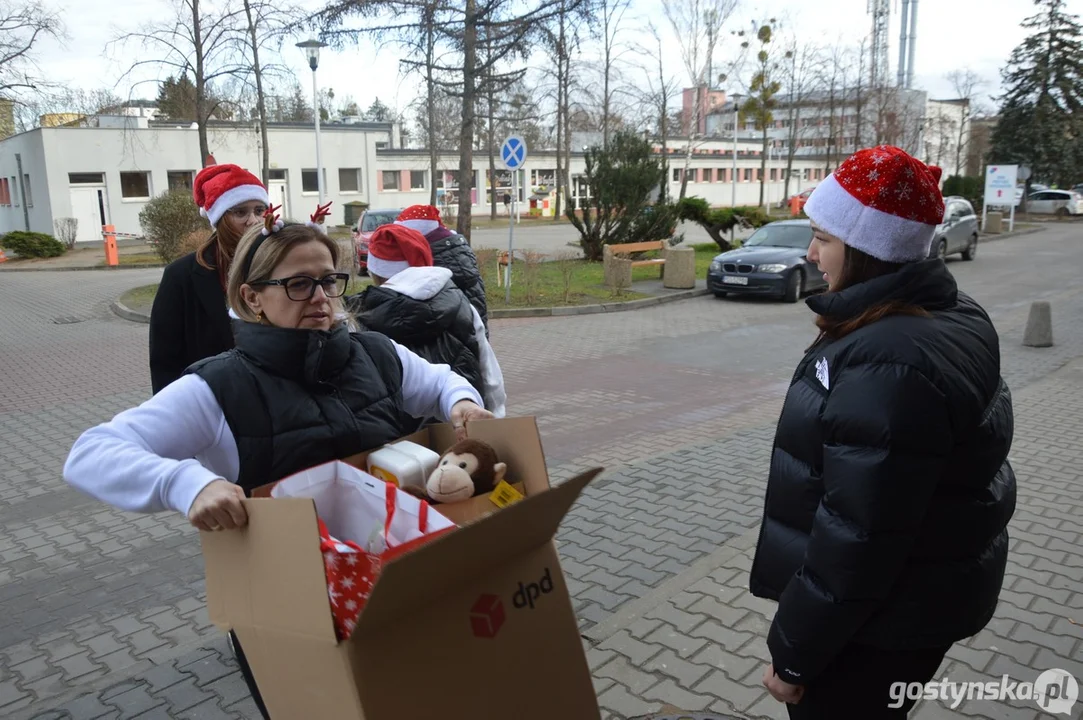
point(141, 266)
point(127, 313)
point(1008, 235)
point(505, 313)
point(135, 316)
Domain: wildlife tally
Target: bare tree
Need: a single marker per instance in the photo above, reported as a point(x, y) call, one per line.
point(764, 88)
point(659, 89)
point(799, 78)
point(22, 26)
point(697, 25)
point(191, 41)
point(81, 103)
point(612, 13)
point(966, 83)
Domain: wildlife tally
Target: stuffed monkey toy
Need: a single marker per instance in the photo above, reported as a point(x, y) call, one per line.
point(468, 468)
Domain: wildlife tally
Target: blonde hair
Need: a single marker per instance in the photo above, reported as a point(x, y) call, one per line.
point(271, 252)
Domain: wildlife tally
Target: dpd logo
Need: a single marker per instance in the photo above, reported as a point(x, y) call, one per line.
point(487, 616)
point(528, 594)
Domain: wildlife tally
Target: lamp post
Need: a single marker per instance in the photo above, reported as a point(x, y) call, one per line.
point(736, 113)
point(312, 50)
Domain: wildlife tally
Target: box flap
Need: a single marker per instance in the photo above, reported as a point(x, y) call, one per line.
point(517, 443)
point(408, 583)
point(270, 573)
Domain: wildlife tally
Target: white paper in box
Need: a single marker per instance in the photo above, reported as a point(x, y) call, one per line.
point(352, 504)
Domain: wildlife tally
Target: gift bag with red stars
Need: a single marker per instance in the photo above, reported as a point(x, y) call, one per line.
point(364, 523)
point(352, 570)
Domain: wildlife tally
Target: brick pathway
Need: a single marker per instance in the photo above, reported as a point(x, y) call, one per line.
point(104, 610)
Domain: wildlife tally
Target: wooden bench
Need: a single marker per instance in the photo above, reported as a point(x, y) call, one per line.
point(611, 252)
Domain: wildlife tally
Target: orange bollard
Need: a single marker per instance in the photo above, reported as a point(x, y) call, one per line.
point(110, 233)
point(795, 205)
point(3, 257)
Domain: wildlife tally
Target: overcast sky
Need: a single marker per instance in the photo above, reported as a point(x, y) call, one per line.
point(978, 34)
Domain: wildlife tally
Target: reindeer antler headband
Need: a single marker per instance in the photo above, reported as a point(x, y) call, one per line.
point(272, 224)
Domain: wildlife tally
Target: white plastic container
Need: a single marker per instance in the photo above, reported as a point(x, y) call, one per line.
point(403, 464)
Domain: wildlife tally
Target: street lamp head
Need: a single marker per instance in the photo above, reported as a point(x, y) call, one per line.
point(312, 51)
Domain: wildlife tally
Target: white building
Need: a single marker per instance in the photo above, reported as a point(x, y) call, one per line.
point(947, 135)
point(104, 171)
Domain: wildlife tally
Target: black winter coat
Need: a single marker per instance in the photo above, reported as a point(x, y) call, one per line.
point(189, 320)
point(889, 494)
point(451, 250)
point(440, 329)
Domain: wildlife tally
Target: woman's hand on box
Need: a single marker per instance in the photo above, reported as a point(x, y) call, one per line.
point(464, 411)
point(218, 507)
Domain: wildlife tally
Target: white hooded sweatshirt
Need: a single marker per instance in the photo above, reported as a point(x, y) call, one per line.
point(423, 283)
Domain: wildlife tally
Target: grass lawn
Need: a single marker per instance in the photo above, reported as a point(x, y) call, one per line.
point(535, 284)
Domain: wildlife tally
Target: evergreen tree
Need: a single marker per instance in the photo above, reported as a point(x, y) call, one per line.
point(1041, 118)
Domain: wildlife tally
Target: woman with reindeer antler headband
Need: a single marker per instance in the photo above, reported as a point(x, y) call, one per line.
point(298, 390)
point(190, 319)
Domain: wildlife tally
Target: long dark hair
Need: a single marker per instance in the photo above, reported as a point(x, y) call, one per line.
point(859, 267)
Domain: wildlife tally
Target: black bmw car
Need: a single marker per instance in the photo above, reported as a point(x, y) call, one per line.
point(771, 262)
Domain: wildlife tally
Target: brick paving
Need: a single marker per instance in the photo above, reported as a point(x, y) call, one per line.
point(104, 611)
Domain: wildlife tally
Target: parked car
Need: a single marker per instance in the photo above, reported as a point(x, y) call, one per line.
point(771, 262)
point(1061, 203)
point(959, 231)
point(362, 231)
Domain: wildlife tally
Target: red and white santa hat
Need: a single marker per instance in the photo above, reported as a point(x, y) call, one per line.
point(881, 201)
point(217, 188)
point(423, 218)
point(394, 247)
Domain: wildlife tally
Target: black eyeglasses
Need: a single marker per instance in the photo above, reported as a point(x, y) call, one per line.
point(302, 287)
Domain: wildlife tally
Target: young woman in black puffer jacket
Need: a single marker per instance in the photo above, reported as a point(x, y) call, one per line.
point(884, 538)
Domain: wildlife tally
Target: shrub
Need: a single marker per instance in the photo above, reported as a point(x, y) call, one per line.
point(971, 188)
point(67, 230)
point(169, 221)
point(32, 244)
point(718, 221)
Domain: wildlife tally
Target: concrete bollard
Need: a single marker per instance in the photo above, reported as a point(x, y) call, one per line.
point(994, 223)
point(1039, 330)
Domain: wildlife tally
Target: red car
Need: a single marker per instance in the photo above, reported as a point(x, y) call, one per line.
point(362, 231)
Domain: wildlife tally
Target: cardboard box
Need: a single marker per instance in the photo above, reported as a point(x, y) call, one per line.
point(476, 624)
point(516, 441)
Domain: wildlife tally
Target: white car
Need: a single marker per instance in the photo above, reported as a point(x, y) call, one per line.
point(1055, 202)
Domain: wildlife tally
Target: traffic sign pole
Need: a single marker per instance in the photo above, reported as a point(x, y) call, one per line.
point(511, 234)
point(513, 154)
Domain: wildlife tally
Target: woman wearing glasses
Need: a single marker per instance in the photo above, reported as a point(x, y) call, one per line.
point(189, 320)
point(299, 389)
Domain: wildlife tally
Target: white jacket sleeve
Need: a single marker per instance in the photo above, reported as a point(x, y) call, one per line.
point(144, 459)
point(431, 390)
point(492, 378)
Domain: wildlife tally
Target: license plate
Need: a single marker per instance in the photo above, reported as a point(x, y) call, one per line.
point(734, 280)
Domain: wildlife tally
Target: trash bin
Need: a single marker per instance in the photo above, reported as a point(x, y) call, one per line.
point(352, 211)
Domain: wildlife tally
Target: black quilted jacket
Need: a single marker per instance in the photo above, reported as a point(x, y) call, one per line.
point(889, 491)
point(450, 250)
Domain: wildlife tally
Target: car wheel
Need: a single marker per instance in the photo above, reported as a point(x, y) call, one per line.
point(971, 248)
point(795, 285)
point(1062, 213)
point(719, 294)
point(942, 249)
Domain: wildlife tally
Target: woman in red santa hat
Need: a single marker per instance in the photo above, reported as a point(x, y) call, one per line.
point(449, 250)
point(884, 538)
point(189, 320)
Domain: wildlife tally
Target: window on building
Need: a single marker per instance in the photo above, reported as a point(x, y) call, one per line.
point(748, 175)
point(676, 174)
point(14, 190)
point(310, 182)
point(179, 180)
point(276, 174)
point(391, 179)
point(135, 185)
point(5, 193)
point(349, 180)
point(721, 174)
point(417, 179)
point(86, 178)
point(29, 195)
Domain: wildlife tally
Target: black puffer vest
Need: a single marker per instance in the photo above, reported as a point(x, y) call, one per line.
point(298, 398)
point(440, 329)
point(890, 491)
